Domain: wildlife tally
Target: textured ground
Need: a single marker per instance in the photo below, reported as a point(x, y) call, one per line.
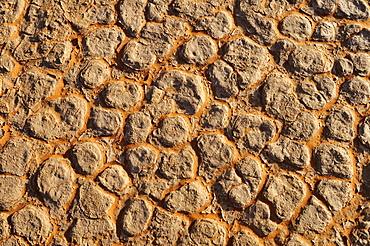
point(184, 122)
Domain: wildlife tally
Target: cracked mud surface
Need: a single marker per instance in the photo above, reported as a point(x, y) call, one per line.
point(185, 122)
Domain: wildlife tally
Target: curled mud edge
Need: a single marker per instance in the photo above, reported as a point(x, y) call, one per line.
point(223, 122)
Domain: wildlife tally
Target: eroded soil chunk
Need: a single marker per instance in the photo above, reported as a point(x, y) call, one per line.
point(189, 93)
point(33, 224)
point(314, 217)
point(172, 131)
point(93, 201)
point(333, 160)
point(188, 199)
point(176, 165)
point(285, 192)
point(339, 125)
point(136, 216)
point(207, 232)
point(105, 122)
point(198, 50)
point(336, 193)
point(114, 178)
point(60, 118)
point(87, 158)
point(11, 190)
point(214, 153)
point(14, 156)
point(242, 54)
point(101, 43)
point(257, 216)
point(251, 132)
point(123, 95)
point(55, 181)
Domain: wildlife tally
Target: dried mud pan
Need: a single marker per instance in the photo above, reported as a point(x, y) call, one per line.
point(185, 122)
